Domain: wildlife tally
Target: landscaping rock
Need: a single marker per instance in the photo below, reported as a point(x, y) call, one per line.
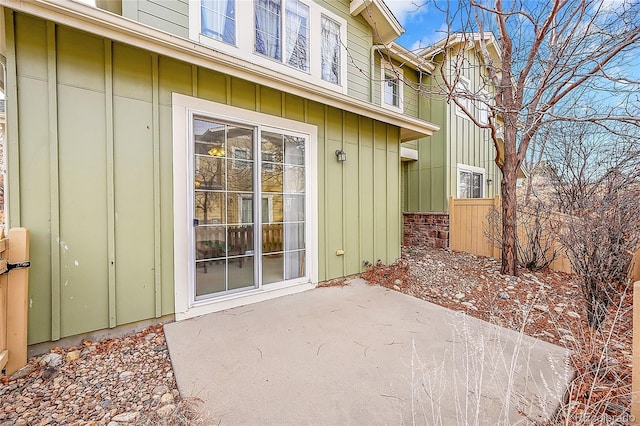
point(166, 410)
point(127, 417)
point(51, 360)
point(72, 356)
point(541, 308)
point(23, 372)
point(109, 384)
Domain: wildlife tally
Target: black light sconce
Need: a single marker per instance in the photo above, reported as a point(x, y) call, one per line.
point(341, 155)
point(489, 181)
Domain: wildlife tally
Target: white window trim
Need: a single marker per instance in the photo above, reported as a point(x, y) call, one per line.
point(483, 107)
point(385, 66)
point(245, 43)
point(269, 165)
point(183, 109)
point(242, 197)
point(240, 163)
point(467, 102)
point(269, 199)
point(473, 169)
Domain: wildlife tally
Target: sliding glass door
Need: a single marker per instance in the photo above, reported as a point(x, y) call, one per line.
point(248, 207)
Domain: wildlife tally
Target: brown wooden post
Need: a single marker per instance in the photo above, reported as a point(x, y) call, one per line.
point(4, 353)
point(635, 381)
point(453, 231)
point(17, 296)
point(635, 271)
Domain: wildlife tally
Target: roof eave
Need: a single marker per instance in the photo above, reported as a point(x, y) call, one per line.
point(117, 28)
point(385, 26)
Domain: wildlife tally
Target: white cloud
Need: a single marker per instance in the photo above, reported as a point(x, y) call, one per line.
point(428, 39)
point(406, 9)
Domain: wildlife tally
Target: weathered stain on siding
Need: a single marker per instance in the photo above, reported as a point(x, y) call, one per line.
point(114, 180)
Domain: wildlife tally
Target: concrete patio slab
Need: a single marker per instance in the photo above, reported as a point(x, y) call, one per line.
point(362, 355)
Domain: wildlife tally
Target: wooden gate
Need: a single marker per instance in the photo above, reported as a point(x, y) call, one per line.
point(14, 278)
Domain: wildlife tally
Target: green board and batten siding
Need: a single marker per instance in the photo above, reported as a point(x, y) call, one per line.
point(90, 173)
point(430, 181)
point(167, 15)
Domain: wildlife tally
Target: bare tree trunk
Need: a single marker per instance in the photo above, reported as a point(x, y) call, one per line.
point(509, 222)
point(509, 204)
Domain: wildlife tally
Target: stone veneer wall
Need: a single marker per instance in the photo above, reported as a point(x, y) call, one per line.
point(426, 229)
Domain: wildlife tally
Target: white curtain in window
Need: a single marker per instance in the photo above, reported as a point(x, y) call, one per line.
point(330, 50)
point(268, 28)
point(297, 30)
point(218, 19)
point(391, 89)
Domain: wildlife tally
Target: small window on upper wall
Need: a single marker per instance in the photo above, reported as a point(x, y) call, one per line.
point(273, 36)
point(218, 20)
point(483, 108)
point(392, 87)
point(463, 90)
point(330, 35)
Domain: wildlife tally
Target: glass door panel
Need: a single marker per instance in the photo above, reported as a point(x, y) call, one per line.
point(283, 226)
point(239, 179)
point(222, 207)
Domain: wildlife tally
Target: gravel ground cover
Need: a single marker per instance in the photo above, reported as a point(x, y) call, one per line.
point(129, 380)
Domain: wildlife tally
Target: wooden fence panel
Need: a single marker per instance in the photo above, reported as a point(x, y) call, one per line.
point(14, 292)
point(468, 225)
point(635, 269)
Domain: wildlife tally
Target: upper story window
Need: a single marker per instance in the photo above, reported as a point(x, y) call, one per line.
point(294, 37)
point(463, 88)
point(392, 87)
point(483, 108)
point(271, 31)
point(218, 20)
point(330, 50)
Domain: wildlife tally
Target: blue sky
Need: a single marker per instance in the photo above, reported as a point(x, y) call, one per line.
point(423, 23)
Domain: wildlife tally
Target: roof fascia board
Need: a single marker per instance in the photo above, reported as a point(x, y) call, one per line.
point(388, 28)
point(409, 58)
point(117, 28)
point(458, 38)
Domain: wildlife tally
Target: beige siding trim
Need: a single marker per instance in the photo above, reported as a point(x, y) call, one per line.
point(117, 28)
point(54, 186)
point(111, 206)
point(12, 147)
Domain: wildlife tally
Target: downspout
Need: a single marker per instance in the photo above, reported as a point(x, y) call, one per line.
point(419, 92)
point(374, 48)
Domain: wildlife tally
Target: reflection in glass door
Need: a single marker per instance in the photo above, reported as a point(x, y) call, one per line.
point(283, 218)
point(230, 197)
point(223, 207)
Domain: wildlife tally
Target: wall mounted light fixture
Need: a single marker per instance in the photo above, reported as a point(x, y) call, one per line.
point(489, 181)
point(341, 155)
